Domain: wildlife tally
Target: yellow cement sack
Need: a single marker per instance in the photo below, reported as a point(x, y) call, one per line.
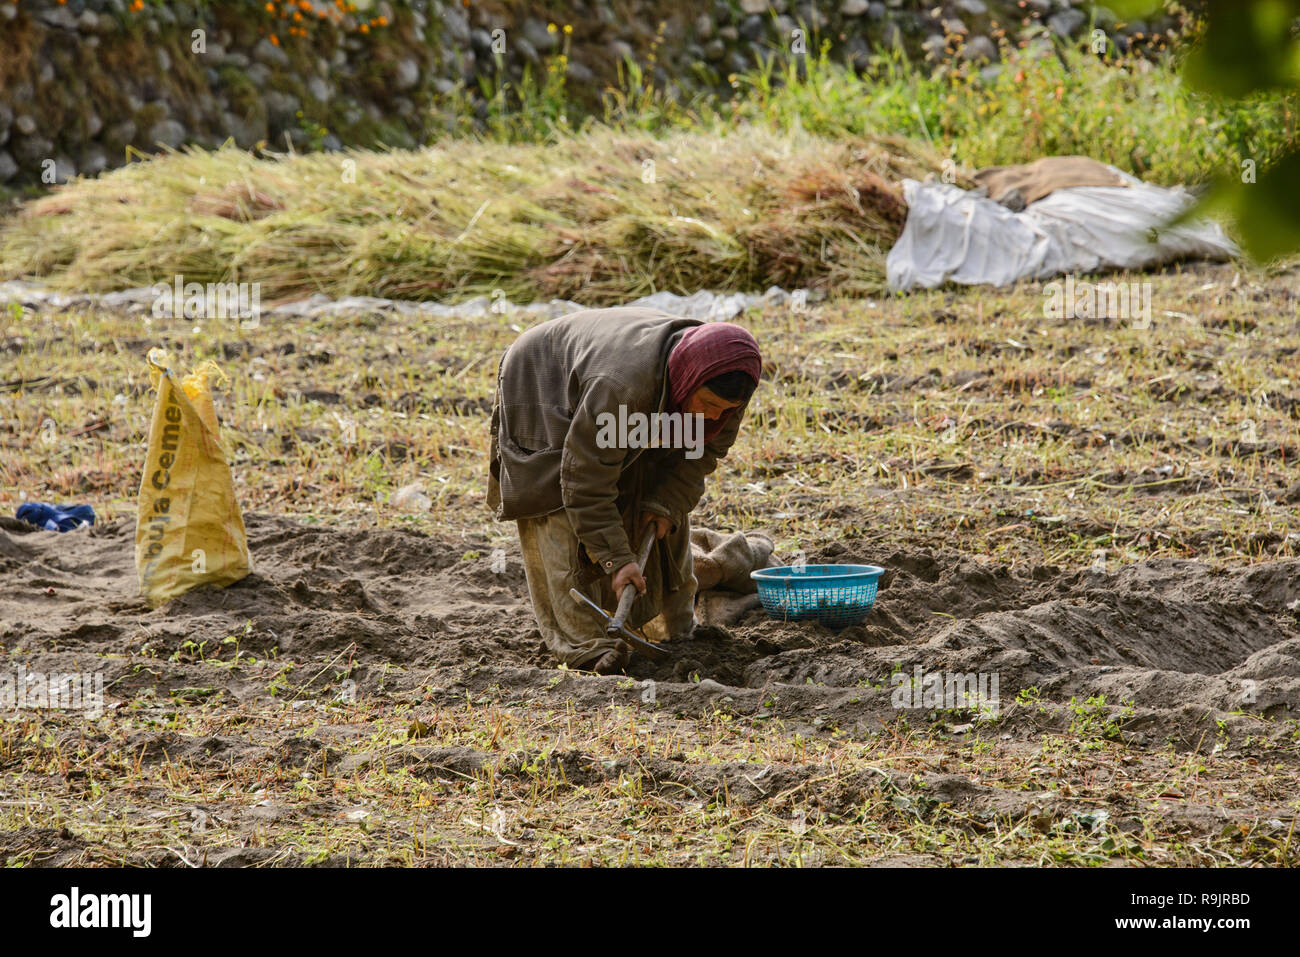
point(189, 530)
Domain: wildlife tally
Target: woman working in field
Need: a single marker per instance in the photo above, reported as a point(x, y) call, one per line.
point(604, 426)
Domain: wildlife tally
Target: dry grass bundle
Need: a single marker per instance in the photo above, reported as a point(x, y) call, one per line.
point(599, 218)
point(237, 201)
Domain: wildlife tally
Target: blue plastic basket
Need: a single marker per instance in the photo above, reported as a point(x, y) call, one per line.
point(835, 595)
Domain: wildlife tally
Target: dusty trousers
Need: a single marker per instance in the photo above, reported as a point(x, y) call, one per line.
point(554, 562)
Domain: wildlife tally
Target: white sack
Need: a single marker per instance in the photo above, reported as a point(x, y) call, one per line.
point(959, 236)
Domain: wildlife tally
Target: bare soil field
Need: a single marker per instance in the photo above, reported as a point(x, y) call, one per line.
point(1100, 514)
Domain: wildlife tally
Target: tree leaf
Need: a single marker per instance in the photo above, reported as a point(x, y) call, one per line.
point(1246, 47)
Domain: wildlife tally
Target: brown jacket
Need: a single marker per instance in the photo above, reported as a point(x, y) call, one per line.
point(551, 386)
point(1015, 187)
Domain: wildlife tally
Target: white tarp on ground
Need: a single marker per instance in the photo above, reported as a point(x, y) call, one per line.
point(709, 306)
point(953, 235)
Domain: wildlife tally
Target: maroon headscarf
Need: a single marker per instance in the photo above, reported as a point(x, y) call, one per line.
point(704, 352)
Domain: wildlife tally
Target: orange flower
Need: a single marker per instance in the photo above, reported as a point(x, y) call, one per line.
point(275, 39)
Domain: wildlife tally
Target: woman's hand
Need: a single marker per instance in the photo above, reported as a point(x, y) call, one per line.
point(629, 574)
point(662, 525)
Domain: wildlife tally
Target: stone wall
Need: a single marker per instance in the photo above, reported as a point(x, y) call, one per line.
point(85, 81)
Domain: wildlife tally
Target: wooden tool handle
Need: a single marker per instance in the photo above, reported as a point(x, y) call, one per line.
point(629, 591)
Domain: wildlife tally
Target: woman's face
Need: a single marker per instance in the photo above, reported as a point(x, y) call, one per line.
point(706, 401)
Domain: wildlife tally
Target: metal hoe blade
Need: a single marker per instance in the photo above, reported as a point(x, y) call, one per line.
point(636, 641)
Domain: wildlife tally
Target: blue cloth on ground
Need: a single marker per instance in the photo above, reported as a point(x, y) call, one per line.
point(56, 518)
